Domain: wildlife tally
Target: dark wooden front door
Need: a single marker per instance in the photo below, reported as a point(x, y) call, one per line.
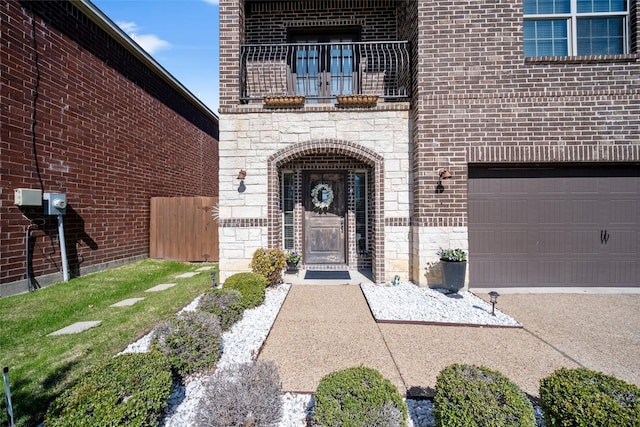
point(324, 217)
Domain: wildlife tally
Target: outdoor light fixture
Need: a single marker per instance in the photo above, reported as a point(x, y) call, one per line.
point(241, 176)
point(442, 174)
point(493, 295)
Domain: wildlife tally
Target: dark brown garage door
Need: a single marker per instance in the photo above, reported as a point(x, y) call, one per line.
point(554, 227)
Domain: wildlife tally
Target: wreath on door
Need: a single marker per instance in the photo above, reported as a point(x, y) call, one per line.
point(325, 193)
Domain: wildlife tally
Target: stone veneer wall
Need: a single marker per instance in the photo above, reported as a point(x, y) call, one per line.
point(249, 138)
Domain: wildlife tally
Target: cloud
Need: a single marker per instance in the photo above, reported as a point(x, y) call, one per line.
point(213, 2)
point(149, 42)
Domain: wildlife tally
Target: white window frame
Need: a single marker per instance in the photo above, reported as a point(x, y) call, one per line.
point(572, 24)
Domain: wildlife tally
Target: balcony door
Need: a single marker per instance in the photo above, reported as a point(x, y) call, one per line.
point(324, 65)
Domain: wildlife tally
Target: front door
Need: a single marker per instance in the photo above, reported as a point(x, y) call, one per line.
point(324, 204)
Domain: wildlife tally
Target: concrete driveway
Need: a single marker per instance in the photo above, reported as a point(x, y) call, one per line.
point(321, 329)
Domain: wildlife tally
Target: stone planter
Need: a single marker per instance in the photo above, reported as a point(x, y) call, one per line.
point(453, 274)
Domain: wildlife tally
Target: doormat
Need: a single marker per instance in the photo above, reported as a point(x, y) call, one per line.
point(327, 275)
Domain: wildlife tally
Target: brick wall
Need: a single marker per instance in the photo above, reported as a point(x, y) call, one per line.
point(83, 116)
point(267, 22)
point(478, 94)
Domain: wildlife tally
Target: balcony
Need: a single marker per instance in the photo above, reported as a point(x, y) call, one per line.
point(321, 72)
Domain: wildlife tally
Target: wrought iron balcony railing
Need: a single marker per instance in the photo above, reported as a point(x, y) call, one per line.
point(322, 71)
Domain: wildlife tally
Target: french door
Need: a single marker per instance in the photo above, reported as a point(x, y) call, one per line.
point(324, 67)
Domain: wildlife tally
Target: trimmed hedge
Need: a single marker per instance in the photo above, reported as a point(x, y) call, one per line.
point(582, 397)
point(224, 303)
point(269, 263)
point(468, 396)
point(251, 286)
point(132, 389)
point(191, 341)
point(358, 397)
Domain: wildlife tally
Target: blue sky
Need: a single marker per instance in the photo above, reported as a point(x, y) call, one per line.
point(181, 35)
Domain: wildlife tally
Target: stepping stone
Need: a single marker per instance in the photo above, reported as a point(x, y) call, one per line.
point(77, 328)
point(205, 268)
point(186, 275)
point(127, 302)
point(162, 287)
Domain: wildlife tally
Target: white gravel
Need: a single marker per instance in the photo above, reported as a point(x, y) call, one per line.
point(243, 342)
point(408, 302)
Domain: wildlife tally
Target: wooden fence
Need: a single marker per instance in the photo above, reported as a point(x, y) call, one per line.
point(184, 228)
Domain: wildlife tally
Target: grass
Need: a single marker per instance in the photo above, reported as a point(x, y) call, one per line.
point(41, 366)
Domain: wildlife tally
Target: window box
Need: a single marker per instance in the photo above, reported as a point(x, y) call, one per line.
point(357, 100)
point(284, 101)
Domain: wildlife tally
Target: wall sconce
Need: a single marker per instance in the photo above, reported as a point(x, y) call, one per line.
point(241, 176)
point(493, 299)
point(442, 174)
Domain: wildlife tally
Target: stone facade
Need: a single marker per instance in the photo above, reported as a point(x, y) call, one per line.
point(270, 141)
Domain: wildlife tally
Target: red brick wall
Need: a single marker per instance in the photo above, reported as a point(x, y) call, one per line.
point(81, 115)
point(478, 97)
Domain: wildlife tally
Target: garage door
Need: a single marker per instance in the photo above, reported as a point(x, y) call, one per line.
point(554, 227)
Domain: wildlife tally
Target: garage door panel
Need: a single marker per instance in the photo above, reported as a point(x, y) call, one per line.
point(503, 211)
point(623, 211)
point(621, 273)
point(554, 227)
point(501, 273)
point(585, 212)
point(543, 243)
point(621, 242)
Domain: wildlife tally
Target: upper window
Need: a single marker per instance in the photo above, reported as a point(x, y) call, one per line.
point(575, 27)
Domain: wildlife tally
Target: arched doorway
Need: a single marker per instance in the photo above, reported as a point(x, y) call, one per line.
point(326, 203)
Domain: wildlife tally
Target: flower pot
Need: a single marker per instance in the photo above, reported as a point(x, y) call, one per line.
point(292, 267)
point(453, 274)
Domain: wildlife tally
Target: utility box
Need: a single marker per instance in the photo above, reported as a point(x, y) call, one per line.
point(54, 203)
point(27, 197)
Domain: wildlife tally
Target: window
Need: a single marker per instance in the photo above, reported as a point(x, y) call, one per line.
point(288, 203)
point(576, 27)
point(361, 207)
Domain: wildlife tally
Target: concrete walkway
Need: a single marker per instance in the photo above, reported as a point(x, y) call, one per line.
point(321, 329)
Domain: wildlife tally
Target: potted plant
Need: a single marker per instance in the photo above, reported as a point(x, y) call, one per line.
point(293, 258)
point(454, 268)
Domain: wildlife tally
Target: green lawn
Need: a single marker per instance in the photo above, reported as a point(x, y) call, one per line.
point(41, 366)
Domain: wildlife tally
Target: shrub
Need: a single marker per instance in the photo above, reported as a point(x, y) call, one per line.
point(247, 394)
point(132, 389)
point(269, 263)
point(356, 397)
point(251, 286)
point(224, 303)
point(469, 395)
point(581, 397)
point(191, 341)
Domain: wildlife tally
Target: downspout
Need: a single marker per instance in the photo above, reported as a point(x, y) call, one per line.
point(27, 239)
point(63, 249)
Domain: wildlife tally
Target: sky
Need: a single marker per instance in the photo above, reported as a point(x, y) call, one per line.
point(181, 35)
